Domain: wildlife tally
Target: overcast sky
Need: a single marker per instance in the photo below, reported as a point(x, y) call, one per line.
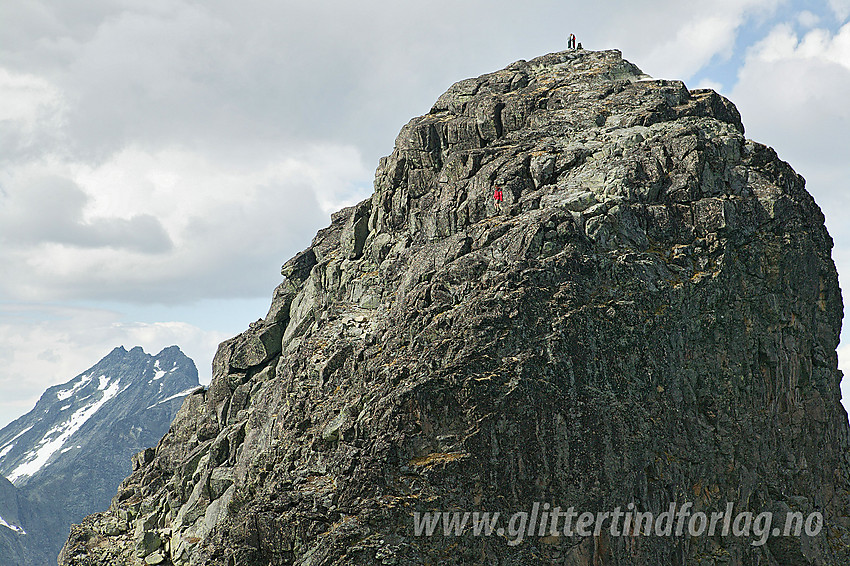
point(160, 159)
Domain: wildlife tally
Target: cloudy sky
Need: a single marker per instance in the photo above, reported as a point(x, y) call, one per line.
point(160, 159)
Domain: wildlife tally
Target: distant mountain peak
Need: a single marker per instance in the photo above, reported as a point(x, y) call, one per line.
point(41, 436)
point(68, 454)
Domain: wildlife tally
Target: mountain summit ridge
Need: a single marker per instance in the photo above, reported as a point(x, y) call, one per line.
point(649, 316)
point(70, 405)
point(67, 455)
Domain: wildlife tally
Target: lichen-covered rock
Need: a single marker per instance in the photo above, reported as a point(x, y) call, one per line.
point(650, 317)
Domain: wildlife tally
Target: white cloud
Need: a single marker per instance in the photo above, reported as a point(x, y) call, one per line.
point(678, 40)
point(26, 98)
point(700, 40)
point(841, 9)
point(49, 208)
point(807, 19)
point(208, 74)
point(819, 44)
point(168, 225)
point(185, 149)
point(32, 111)
point(792, 94)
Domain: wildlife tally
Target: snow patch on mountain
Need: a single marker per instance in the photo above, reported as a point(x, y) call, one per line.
point(18, 435)
point(66, 393)
point(49, 446)
point(15, 528)
point(159, 372)
point(6, 449)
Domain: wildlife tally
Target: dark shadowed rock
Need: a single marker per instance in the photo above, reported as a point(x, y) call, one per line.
point(651, 317)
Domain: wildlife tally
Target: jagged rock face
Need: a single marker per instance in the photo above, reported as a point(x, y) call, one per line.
point(650, 316)
point(68, 455)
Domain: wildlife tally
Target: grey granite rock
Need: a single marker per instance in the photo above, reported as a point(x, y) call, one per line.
point(650, 317)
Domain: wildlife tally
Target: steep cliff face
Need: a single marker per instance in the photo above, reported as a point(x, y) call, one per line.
point(650, 316)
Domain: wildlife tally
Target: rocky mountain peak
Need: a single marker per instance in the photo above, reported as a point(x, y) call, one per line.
point(650, 315)
point(68, 454)
point(530, 129)
point(37, 440)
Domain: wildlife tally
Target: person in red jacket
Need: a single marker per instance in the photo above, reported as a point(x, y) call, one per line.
point(571, 42)
point(497, 197)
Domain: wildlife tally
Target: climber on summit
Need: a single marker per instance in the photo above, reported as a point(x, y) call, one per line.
point(571, 42)
point(497, 197)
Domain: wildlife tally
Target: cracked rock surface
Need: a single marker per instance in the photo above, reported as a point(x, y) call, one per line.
point(650, 316)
